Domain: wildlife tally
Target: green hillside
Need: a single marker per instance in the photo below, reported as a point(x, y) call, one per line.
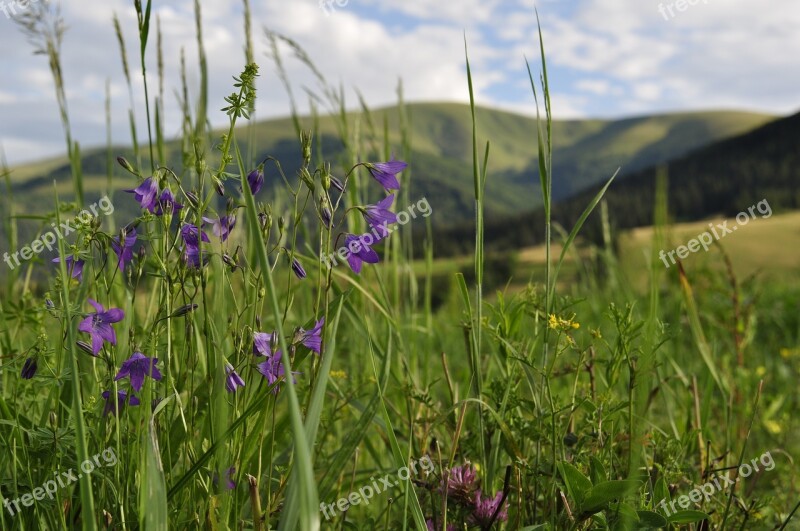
point(721, 179)
point(586, 152)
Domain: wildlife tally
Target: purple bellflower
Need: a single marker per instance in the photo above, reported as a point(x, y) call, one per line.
point(361, 250)
point(146, 194)
point(264, 344)
point(379, 216)
point(386, 172)
point(125, 250)
point(232, 378)
point(272, 369)
point(311, 339)
point(222, 227)
point(191, 237)
point(136, 368)
point(167, 203)
point(29, 368)
point(122, 395)
point(74, 266)
point(98, 325)
point(256, 179)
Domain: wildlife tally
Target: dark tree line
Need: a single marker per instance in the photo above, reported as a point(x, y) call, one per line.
point(723, 178)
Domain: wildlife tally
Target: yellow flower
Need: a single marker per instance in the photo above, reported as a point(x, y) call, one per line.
point(773, 426)
point(761, 371)
point(787, 353)
point(339, 375)
point(558, 323)
point(596, 333)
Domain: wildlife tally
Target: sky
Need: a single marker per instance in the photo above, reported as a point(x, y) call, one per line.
point(606, 59)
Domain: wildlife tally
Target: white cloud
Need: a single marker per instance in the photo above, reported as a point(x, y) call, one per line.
point(605, 58)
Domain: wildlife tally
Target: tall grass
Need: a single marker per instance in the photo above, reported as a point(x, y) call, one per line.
point(569, 403)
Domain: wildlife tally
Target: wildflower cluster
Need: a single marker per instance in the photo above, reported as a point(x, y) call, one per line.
point(378, 216)
point(461, 486)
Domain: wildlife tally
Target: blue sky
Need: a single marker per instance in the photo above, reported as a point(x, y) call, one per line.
point(607, 58)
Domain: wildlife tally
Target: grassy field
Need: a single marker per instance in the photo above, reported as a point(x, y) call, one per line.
point(176, 372)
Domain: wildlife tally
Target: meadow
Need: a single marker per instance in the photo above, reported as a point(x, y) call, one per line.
point(191, 361)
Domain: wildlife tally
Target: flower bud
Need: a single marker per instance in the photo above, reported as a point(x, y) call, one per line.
point(183, 310)
point(339, 185)
point(193, 199)
point(219, 187)
point(307, 178)
point(125, 164)
point(305, 142)
point(86, 347)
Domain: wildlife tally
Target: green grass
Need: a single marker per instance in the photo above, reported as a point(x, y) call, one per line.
point(579, 397)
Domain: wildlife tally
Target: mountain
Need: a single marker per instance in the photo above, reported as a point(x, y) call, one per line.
point(723, 178)
point(586, 152)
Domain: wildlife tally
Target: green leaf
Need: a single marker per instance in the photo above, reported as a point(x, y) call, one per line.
point(597, 471)
point(604, 493)
point(697, 331)
point(661, 492)
point(153, 496)
point(578, 485)
point(651, 520)
point(687, 517)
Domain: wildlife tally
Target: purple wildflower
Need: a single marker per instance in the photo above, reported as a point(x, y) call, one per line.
point(222, 227)
point(167, 203)
point(232, 378)
point(429, 524)
point(311, 339)
point(121, 397)
point(29, 369)
point(379, 216)
point(256, 180)
point(74, 266)
point(485, 509)
point(136, 368)
point(192, 257)
point(229, 483)
point(460, 483)
point(98, 325)
point(327, 218)
point(386, 172)
point(339, 185)
point(297, 267)
point(272, 369)
point(124, 251)
point(190, 232)
point(264, 344)
point(191, 237)
point(361, 250)
point(146, 193)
